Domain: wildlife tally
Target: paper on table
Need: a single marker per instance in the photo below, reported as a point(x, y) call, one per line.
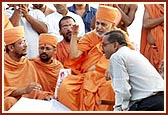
point(34, 105)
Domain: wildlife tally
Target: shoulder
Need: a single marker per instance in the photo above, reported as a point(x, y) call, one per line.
point(71, 8)
point(93, 9)
point(54, 14)
point(133, 6)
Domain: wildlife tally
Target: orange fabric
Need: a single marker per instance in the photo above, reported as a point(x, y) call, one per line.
point(74, 86)
point(48, 39)
point(83, 92)
point(62, 51)
point(7, 23)
point(47, 74)
point(18, 75)
point(107, 13)
point(62, 55)
point(14, 34)
point(119, 15)
point(89, 57)
point(154, 54)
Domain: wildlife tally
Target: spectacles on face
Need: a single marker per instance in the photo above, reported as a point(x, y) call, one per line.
point(21, 42)
point(67, 26)
point(106, 44)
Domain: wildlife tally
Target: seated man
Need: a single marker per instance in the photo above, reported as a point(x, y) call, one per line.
point(46, 67)
point(20, 77)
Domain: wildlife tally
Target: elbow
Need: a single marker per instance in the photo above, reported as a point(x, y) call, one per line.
point(74, 55)
point(145, 25)
point(44, 30)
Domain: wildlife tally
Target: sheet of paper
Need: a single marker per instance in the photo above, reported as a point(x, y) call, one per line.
point(34, 105)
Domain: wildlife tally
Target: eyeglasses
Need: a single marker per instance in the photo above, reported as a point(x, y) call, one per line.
point(67, 26)
point(105, 44)
point(21, 42)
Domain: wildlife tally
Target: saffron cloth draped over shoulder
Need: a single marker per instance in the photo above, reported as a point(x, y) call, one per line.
point(154, 52)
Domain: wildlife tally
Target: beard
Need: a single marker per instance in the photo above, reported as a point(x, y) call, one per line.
point(67, 39)
point(68, 36)
point(44, 57)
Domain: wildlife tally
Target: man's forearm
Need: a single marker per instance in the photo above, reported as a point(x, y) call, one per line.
point(74, 52)
point(38, 26)
point(18, 92)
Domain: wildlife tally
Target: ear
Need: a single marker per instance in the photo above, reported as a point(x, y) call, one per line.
point(55, 50)
point(60, 32)
point(116, 45)
point(10, 47)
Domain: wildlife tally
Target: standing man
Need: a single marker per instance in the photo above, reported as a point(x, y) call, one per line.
point(128, 15)
point(136, 83)
point(152, 38)
point(86, 12)
point(46, 10)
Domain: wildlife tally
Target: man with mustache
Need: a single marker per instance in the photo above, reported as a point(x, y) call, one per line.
point(54, 18)
point(63, 47)
point(46, 66)
point(20, 78)
point(84, 90)
point(34, 23)
point(137, 84)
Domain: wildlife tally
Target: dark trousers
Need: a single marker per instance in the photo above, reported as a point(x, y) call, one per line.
point(152, 103)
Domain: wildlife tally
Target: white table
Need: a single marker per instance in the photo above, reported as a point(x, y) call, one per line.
point(34, 105)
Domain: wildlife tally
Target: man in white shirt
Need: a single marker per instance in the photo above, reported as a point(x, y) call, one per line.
point(34, 23)
point(136, 83)
point(54, 18)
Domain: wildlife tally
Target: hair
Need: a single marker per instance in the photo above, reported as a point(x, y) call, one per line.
point(116, 36)
point(7, 49)
point(65, 18)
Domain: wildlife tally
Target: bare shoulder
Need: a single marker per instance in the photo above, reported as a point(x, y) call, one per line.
point(133, 6)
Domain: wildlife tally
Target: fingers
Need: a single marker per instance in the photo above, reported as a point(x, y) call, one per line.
point(48, 98)
point(107, 75)
point(35, 86)
point(75, 29)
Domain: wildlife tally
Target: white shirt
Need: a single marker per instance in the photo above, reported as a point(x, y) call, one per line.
point(133, 77)
point(31, 36)
point(53, 21)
